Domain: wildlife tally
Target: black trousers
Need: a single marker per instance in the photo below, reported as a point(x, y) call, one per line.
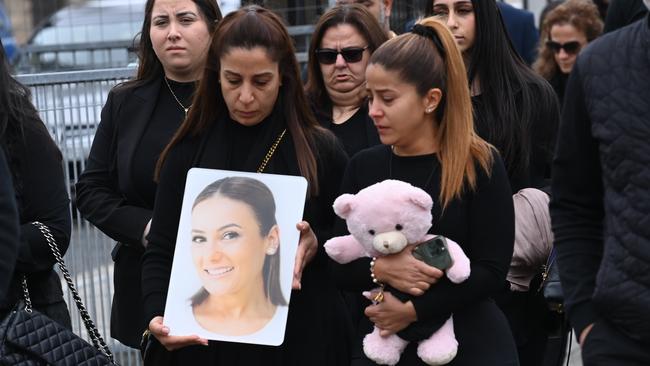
point(607, 346)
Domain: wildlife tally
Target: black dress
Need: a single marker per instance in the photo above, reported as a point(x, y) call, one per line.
point(116, 191)
point(41, 195)
point(318, 329)
point(481, 222)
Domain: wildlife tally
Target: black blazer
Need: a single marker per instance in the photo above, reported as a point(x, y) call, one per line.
point(107, 197)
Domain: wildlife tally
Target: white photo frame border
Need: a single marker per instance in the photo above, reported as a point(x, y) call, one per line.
point(289, 193)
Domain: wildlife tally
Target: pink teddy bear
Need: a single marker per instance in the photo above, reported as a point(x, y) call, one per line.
point(383, 219)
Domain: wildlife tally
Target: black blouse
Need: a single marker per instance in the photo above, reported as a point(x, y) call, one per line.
point(356, 134)
point(164, 121)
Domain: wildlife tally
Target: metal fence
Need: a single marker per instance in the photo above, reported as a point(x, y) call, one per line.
point(112, 54)
point(70, 104)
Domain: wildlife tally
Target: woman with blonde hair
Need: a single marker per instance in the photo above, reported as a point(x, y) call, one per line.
point(420, 102)
point(566, 30)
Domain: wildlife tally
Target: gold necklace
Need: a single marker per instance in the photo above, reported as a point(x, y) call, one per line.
point(269, 154)
point(185, 109)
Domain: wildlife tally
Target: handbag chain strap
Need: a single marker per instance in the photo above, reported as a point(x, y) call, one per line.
point(96, 338)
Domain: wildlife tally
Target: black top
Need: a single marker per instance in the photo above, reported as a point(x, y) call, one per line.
point(42, 196)
point(317, 317)
point(9, 234)
point(558, 82)
point(542, 132)
point(166, 118)
point(481, 222)
point(106, 193)
point(356, 134)
point(116, 191)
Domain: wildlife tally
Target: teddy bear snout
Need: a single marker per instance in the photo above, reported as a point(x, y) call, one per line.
point(389, 242)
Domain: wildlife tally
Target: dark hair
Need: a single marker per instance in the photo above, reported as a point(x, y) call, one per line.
point(427, 60)
point(259, 198)
point(512, 93)
point(149, 65)
point(582, 14)
point(250, 27)
point(353, 14)
point(17, 113)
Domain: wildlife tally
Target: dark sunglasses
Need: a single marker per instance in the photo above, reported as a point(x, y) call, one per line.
point(570, 47)
point(327, 56)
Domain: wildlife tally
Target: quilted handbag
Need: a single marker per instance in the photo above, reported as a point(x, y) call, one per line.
point(29, 338)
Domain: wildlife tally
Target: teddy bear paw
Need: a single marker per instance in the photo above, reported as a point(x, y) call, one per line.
point(384, 350)
point(440, 352)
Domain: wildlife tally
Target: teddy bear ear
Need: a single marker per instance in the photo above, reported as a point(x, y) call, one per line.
point(344, 205)
point(420, 198)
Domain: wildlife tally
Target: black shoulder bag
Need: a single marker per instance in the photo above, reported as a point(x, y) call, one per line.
point(28, 337)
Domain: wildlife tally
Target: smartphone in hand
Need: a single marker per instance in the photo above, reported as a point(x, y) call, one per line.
point(434, 252)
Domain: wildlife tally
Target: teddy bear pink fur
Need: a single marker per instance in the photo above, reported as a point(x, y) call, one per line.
point(383, 219)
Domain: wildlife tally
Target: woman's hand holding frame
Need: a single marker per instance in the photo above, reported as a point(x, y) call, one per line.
point(307, 248)
point(171, 343)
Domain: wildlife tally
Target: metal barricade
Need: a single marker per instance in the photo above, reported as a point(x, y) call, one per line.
point(70, 104)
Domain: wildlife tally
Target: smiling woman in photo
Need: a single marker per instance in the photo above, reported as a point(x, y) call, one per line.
point(236, 253)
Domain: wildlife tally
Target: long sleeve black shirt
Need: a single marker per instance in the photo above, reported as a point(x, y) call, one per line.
point(481, 222)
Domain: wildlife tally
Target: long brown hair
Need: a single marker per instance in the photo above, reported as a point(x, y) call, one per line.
point(149, 65)
point(421, 61)
point(358, 17)
point(582, 14)
point(249, 27)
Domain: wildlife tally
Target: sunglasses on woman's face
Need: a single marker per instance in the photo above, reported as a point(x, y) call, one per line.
point(327, 56)
point(571, 48)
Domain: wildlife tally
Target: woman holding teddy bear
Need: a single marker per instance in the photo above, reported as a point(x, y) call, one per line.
point(420, 103)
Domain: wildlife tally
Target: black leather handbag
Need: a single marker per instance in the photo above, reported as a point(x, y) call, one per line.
point(551, 287)
point(29, 338)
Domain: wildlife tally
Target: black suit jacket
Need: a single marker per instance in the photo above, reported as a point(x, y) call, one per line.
point(9, 234)
point(107, 197)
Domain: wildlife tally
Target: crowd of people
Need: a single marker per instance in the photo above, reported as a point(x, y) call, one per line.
point(519, 159)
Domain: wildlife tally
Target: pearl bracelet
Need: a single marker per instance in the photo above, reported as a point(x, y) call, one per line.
point(379, 296)
point(372, 271)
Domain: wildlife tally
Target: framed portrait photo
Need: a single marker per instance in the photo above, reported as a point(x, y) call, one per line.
point(235, 251)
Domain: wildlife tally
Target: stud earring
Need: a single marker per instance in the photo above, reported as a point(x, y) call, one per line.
point(429, 110)
point(272, 249)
